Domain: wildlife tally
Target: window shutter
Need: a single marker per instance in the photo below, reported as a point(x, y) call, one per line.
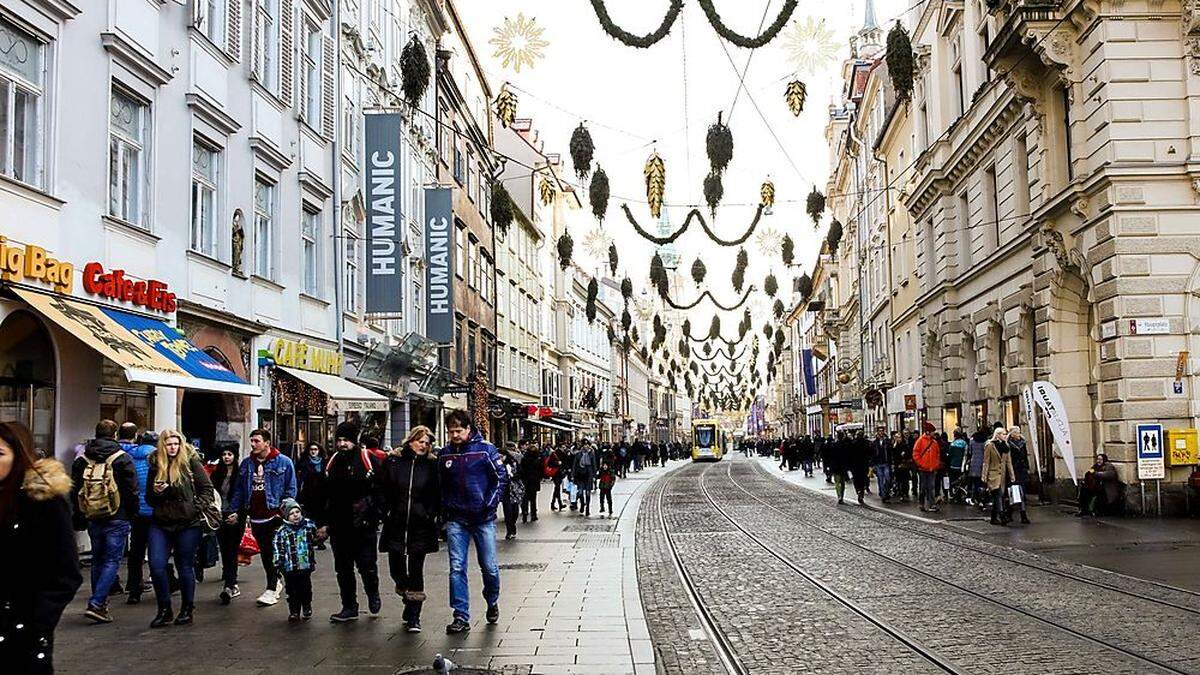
point(255, 42)
point(327, 117)
point(198, 12)
point(234, 29)
point(287, 54)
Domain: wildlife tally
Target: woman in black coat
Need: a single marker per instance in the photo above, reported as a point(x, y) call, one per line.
point(39, 569)
point(532, 471)
point(412, 500)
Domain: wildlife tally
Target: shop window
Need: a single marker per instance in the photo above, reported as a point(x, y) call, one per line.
point(27, 377)
point(205, 179)
point(22, 92)
point(128, 158)
point(123, 401)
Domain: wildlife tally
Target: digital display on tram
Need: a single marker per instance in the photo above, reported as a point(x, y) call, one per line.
point(705, 436)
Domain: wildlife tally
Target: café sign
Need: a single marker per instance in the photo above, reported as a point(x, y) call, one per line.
point(151, 294)
point(298, 354)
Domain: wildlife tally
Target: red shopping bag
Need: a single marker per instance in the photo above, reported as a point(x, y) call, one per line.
point(248, 548)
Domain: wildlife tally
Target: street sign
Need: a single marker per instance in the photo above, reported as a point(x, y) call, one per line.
point(1149, 326)
point(1151, 464)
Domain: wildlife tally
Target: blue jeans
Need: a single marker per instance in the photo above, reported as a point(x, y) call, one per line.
point(883, 475)
point(184, 544)
point(108, 547)
point(458, 539)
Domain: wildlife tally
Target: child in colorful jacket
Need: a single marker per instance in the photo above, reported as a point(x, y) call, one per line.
point(295, 557)
point(608, 478)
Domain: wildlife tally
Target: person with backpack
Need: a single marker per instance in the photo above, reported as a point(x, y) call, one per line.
point(265, 479)
point(104, 487)
point(139, 451)
point(927, 457)
point(350, 519)
point(584, 476)
point(180, 493)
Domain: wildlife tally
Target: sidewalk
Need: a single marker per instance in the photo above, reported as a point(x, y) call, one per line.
point(569, 604)
point(1163, 550)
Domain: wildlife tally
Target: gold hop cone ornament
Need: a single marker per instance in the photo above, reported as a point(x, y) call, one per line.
point(767, 192)
point(546, 191)
point(795, 94)
point(506, 106)
point(656, 183)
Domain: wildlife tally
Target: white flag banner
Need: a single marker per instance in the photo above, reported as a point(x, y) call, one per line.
point(1050, 401)
point(1031, 421)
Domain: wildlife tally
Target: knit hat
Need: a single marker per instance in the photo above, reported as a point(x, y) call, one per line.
point(347, 430)
point(287, 506)
point(928, 427)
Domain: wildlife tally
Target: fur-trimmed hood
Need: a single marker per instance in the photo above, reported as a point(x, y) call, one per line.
point(46, 480)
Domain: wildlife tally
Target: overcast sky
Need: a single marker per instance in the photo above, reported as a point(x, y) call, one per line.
point(637, 100)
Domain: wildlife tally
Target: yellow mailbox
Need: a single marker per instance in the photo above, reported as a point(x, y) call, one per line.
point(1182, 447)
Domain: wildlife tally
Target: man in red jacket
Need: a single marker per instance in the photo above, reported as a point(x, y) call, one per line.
point(928, 458)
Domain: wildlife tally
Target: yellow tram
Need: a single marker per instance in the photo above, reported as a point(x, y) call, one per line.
point(709, 440)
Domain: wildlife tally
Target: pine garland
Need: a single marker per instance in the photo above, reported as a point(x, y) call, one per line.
point(768, 330)
point(788, 250)
point(713, 191)
point(501, 207)
point(815, 205)
point(626, 289)
point(698, 271)
point(804, 286)
point(582, 148)
point(900, 61)
point(834, 236)
point(707, 294)
point(694, 214)
point(598, 194)
point(778, 309)
point(658, 276)
point(566, 247)
point(626, 320)
point(593, 291)
point(643, 41)
point(739, 270)
point(613, 260)
point(771, 285)
point(719, 144)
point(414, 71)
point(769, 34)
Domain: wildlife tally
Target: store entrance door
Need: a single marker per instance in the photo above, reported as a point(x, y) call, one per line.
point(27, 377)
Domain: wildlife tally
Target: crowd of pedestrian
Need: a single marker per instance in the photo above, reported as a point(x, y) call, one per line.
point(142, 496)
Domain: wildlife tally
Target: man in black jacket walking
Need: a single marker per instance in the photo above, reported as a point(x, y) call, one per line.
point(350, 519)
point(107, 524)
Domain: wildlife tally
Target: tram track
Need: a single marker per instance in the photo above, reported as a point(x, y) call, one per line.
point(1157, 664)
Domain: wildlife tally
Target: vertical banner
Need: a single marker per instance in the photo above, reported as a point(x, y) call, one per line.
point(810, 378)
point(1031, 432)
point(439, 266)
point(1050, 401)
point(385, 219)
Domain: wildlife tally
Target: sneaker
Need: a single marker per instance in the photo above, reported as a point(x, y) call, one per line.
point(293, 617)
point(374, 605)
point(227, 595)
point(459, 626)
point(269, 597)
point(414, 626)
point(306, 612)
point(493, 614)
point(98, 614)
point(344, 616)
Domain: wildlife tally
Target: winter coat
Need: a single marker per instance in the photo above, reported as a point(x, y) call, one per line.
point(881, 451)
point(997, 466)
point(584, 467)
point(140, 454)
point(280, 482)
point(351, 493)
point(958, 454)
point(125, 473)
point(472, 478)
point(927, 454)
point(175, 507)
point(837, 457)
point(411, 499)
point(1020, 459)
point(224, 487)
point(39, 568)
point(532, 471)
point(294, 546)
point(975, 451)
point(310, 477)
point(1109, 482)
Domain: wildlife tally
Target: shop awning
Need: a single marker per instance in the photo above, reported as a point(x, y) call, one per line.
point(549, 425)
point(569, 425)
point(344, 395)
point(149, 350)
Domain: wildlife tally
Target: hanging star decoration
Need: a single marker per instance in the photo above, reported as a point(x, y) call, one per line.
point(518, 42)
point(768, 241)
point(810, 45)
point(596, 243)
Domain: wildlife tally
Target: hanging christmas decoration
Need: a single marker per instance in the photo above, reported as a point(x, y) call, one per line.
point(518, 42)
point(683, 347)
point(698, 271)
point(719, 144)
point(768, 330)
point(771, 285)
point(598, 194)
point(778, 310)
point(707, 349)
point(642, 41)
point(787, 249)
point(739, 270)
point(834, 236)
point(794, 95)
point(613, 260)
point(900, 61)
point(633, 335)
point(696, 215)
point(742, 41)
point(815, 205)
point(626, 289)
point(581, 148)
point(501, 207)
point(593, 291)
point(767, 193)
point(566, 247)
point(596, 242)
point(768, 241)
point(414, 71)
point(612, 334)
point(546, 191)
point(660, 332)
point(803, 286)
point(658, 276)
point(656, 183)
point(506, 106)
point(714, 329)
point(713, 191)
point(479, 402)
point(626, 320)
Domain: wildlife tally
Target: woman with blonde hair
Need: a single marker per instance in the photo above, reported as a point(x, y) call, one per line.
point(997, 473)
point(412, 499)
point(179, 491)
point(1020, 462)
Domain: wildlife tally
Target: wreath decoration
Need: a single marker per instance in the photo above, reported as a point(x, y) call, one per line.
point(742, 41)
point(639, 41)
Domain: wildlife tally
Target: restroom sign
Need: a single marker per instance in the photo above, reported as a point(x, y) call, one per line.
point(1150, 452)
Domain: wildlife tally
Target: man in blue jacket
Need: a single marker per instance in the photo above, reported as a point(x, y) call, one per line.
point(265, 479)
point(473, 478)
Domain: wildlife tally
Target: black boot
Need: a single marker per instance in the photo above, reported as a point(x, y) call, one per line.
point(185, 615)
point(164, 617)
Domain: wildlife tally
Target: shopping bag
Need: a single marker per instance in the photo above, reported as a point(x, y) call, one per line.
point(569, 486)
point(1014, 492)
point(945, 482)
point(248, 548)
